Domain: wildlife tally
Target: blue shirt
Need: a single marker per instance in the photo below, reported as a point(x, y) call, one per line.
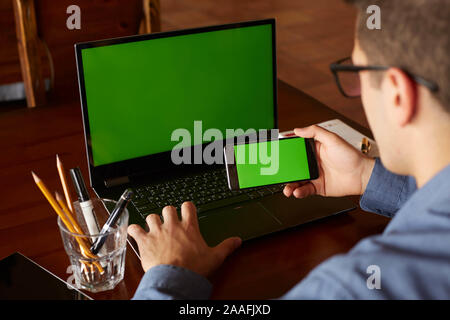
point(409, 260)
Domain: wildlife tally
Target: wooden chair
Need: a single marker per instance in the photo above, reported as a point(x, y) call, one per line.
point(151, 22)
point(41, 32)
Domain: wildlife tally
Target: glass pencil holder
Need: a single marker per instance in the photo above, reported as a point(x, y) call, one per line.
point(105, 269)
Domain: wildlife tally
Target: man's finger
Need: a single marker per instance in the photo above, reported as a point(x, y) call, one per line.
point(290, 187)
point(305, 190)
point(169, 214)
point(227, 246)
point(189, 214)
point(136, 232)
point(317, 133)
point(153, 221)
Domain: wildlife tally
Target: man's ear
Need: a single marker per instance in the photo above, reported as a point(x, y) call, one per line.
point(401, 94)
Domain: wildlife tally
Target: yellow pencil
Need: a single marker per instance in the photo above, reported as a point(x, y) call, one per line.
point(68, 214)
point(76, 227)
point(62, 177)
point(66, 222)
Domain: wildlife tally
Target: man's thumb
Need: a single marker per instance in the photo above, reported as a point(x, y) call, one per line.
point(227, 246)
point(316, 132)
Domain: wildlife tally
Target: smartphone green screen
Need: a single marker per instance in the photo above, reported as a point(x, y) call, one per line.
point(138, 93)
point(291, 163)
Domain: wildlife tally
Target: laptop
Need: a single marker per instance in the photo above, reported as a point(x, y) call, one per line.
point(140, 94)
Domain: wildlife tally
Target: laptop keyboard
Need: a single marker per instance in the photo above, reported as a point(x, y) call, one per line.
point(207, 190)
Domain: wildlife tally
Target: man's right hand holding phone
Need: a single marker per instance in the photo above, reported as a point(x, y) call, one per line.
point(343, 170)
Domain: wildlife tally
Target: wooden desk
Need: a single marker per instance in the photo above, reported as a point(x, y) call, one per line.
point(262, 268)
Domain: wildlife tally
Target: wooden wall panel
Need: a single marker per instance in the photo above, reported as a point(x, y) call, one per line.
point(9, 56)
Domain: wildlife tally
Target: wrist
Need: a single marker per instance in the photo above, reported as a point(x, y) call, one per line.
point(368, 165)
point(165, 281)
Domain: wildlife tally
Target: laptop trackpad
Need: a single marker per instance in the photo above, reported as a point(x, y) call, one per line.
point(245, 221)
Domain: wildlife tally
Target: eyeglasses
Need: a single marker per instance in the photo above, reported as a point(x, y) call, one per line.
point(347, 78)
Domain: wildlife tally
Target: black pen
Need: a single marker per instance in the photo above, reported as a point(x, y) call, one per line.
point(114, 216)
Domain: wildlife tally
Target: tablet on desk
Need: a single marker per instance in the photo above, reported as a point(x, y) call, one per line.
point(23, 279)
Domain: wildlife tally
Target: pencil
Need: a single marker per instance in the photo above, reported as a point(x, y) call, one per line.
point(72, 220)
point(62, 177)
point(77, 229)
point(66, 222)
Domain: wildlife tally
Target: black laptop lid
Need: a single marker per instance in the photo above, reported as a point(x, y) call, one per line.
point(143, 96)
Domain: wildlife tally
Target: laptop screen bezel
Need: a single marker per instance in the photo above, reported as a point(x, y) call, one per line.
point(154, 163)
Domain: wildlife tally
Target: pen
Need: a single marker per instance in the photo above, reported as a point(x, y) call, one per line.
point(85, 201)
point(365, 145)
point(114, 216)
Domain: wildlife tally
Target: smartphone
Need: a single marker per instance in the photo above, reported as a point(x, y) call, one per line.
point(262, 163)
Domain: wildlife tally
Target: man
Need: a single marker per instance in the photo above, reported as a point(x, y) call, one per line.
point(407, 105)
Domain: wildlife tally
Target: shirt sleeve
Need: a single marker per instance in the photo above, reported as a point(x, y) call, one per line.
point(386, 192)
point(168, 282)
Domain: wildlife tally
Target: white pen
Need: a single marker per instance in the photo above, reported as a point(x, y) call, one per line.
point(85, 201)
point(86, 205)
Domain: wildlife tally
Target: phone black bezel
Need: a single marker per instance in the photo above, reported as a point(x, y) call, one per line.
point(154, 164)
point(232, 176)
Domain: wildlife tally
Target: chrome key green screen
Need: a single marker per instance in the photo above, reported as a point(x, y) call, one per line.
point(291, 162)
point(138, 93)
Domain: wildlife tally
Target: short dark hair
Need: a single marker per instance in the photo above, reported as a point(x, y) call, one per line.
point(414, 36)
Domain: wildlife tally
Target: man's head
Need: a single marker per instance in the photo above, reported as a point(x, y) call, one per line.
point(413, 39)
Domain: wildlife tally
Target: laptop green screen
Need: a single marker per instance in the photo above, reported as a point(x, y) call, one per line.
point(138, 93)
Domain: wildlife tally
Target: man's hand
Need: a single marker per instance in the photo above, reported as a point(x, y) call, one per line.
point(343, 170)
point(179, 243)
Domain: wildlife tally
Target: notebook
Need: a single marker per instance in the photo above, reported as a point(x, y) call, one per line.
point(346, 132)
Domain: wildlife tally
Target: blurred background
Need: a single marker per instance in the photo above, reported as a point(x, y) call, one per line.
point(310, 35)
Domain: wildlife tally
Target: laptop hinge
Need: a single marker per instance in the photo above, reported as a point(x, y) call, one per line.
point(116, 181)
